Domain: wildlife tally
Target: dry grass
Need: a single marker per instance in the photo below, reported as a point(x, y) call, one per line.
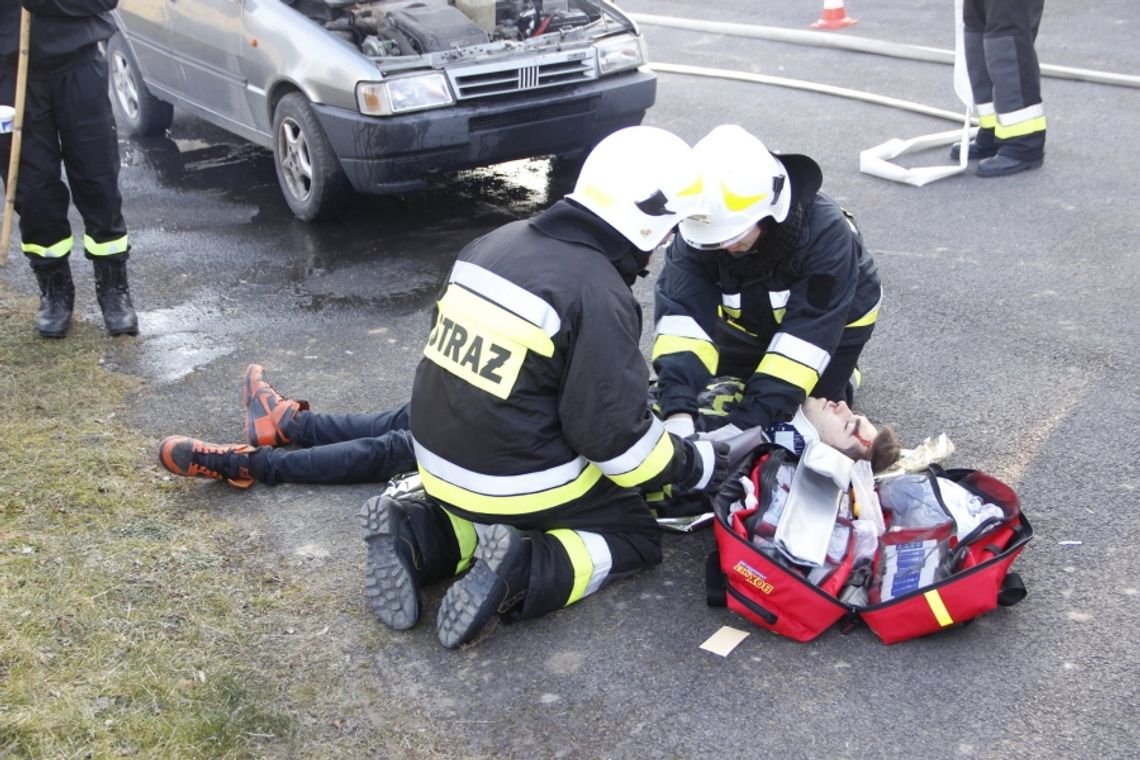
point(128, 626)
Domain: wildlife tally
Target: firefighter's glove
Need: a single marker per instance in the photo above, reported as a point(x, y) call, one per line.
point(702, 465)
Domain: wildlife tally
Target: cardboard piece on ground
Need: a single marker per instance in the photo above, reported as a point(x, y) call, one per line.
point(724, 641)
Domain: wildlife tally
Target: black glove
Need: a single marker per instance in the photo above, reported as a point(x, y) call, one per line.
point(701, 466)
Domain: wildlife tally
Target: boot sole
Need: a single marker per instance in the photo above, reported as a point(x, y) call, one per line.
point(389, 585)
point(474, 599)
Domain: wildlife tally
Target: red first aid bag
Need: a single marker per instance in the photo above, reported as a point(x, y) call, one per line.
point(919, 581)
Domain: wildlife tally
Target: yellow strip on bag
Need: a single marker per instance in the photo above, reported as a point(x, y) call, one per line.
point(938, 608)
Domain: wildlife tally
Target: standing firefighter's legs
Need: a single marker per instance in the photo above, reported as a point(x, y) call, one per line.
point(90, 146)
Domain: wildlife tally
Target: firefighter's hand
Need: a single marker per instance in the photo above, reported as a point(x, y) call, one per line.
point(703, 465)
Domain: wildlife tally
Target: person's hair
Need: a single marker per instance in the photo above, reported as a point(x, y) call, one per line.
point(885, 449)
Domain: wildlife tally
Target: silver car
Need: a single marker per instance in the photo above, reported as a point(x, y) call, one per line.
point(378, 96)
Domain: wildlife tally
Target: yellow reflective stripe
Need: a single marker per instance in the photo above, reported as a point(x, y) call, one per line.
point(934, 599)
point(778, 315)
point(867, 319)
point(800, 350)
point(466, 538)
point(734, 202)
point(789, 371)
point(696, 188)
point(1020, 129)
point(580, 561)
point(987, 120)
point(54, 251)
point(650, 467)
point(519, 504)
point(463, 306)
point(734, 313)
point(109, 248)
point(597, 196)
point(673, 344)
point(510, 296)
point(719, 402)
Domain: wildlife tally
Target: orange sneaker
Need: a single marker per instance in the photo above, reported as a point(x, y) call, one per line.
point(266, 410)
point(192, 458)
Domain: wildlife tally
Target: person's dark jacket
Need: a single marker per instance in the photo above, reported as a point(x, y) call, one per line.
point(531, 395)
point(61, 29)
point(806, 278)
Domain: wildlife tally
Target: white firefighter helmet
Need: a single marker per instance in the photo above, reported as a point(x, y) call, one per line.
point(641, 181)
point(743, 182)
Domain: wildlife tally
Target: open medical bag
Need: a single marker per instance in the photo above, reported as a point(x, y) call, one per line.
point(903, 580)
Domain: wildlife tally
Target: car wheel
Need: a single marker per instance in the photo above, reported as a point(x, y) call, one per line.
point(308, 169)
point(139, 113)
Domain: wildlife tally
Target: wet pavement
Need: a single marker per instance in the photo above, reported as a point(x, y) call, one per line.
point(1007, 324)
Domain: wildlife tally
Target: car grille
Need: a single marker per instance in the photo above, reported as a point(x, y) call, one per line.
point(531, 115)
point(502, 78)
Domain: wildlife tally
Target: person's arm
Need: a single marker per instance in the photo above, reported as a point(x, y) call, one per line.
point(71, 8)
point(686, 299)
point(809, 333)
point(602, 405)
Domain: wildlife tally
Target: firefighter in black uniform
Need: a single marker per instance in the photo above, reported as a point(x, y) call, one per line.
point(528, 409)
point(773, 287)
point(68, 121)
point(1005, 78)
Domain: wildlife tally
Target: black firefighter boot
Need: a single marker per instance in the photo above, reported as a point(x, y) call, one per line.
point(114, 295)
point(57, 296)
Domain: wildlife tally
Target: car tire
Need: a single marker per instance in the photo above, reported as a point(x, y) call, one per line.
point(138, 113)
point(308, 170)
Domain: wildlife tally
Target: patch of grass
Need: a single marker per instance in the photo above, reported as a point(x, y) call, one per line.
point(130, 627)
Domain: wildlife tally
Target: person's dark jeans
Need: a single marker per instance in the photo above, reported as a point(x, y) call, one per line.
point(341, 448)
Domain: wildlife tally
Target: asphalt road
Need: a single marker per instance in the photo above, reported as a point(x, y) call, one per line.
point(1008, 324)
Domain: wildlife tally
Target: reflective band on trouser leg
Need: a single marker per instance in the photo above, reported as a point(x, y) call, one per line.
point(938, 608)
point(465, 538)
point(54, 251)
point(987, 120)
point(1019, 129)
point(590, 559)
point(109, 248)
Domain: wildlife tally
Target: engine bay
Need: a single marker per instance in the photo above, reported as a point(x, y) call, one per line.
point(397, 28)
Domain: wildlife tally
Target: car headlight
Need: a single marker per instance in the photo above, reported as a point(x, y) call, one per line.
point(621, 53)
point(403, 94)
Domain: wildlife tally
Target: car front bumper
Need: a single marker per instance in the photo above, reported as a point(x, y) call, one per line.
point(396, 154)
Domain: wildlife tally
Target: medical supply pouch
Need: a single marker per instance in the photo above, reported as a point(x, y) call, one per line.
point(918, 577)
point(975, 573)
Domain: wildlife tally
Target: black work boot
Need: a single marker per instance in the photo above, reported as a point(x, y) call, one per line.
point(394, 562)
point(114, 295)
point(1003, 165)
point(57, 296)
point(983, 145)
point(496, 583)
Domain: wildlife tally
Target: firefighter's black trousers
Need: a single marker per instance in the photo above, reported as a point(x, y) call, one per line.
point(67, 121)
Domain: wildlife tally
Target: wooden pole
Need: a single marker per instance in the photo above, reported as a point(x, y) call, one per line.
point(17, 133)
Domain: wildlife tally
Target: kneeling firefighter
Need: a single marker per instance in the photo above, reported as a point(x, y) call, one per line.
point(528, 412)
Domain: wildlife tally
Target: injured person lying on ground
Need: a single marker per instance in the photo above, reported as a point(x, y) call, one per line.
point(287, 442)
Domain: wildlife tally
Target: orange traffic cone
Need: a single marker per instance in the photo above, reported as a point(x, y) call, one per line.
point(834, 16)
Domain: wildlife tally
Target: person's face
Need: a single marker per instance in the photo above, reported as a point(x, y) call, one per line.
point(841, 428)
point(742, 245)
